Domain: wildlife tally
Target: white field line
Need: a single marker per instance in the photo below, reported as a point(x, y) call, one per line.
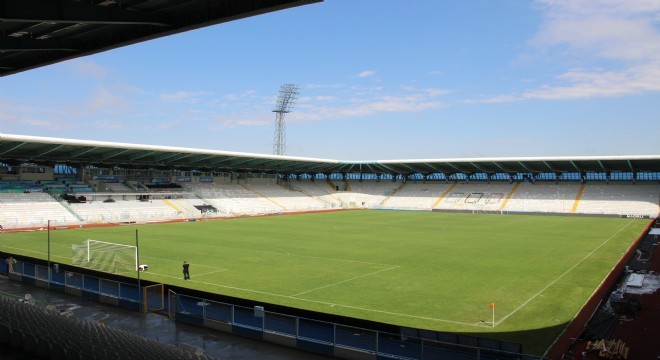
point(179, 277)
point(345, 281)
point(562, 275)
point(177, 261)
point(325, 302)
point(307, 256)
point(35, 251)
point(211, 272)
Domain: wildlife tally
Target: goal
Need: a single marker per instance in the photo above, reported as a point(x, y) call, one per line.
point(106, 256)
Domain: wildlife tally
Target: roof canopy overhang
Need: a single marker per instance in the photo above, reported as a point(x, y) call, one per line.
point(35, 33)
point(18, 149)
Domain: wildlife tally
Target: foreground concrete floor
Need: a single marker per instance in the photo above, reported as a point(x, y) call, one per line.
point(154, 326)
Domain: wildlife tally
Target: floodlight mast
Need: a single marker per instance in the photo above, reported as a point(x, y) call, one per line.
point(284, 104)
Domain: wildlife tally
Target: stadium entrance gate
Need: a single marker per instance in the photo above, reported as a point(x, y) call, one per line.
point(152, 298)
point(171, 302)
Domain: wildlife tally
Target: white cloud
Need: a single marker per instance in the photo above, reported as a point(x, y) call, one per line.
point(244, 95)
point(16, 114)
point(222, 122)
point(108, 100)
point(366, 73)
point(616, 45)
point(188, 97)
point(588, 84)
point(88, 69)
point(361, 107)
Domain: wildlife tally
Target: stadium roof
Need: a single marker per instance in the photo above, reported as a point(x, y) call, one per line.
point(19, 149)
point(35, 33)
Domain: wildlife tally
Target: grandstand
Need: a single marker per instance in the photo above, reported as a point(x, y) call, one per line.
point(31, 194)
point(225, 199)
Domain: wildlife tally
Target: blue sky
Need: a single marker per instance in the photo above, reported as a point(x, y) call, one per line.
point(379, 79)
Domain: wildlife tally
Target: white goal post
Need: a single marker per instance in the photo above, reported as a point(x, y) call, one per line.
point(106, 256)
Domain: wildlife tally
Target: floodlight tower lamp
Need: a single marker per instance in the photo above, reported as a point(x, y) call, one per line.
point(284, 105)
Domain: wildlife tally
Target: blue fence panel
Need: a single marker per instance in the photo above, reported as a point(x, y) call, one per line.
point(282, 324)
point(393, 344)
point(18, 267)
point(356, 338)
point(42, 273)
point(4, 266)
point(73, 280)
point(91, 283)
point(109, 287)
point(191, 305)
point(245, 316)
point(468, 340)
point(129, 292)
point(497, 355)
point(218, 311)
point(29, 270)
point(316, 330)
point(437, 351)
point(58, 277)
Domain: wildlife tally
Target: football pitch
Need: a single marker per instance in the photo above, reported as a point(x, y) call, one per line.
point(437, 271)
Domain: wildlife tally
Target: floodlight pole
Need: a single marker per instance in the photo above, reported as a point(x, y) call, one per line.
point(137, 259)
point(49, 274)
point(284, 104)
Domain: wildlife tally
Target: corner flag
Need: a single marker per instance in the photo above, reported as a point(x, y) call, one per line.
point(492, 305)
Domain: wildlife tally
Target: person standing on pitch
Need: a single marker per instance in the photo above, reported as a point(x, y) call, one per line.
point(186, 271)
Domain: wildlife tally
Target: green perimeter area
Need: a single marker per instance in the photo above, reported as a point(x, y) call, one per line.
point(437, 271)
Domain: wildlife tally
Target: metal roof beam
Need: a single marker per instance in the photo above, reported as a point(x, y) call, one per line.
point(550, 167)
point(10, 147)
point(140, 155)
point(9, 44)
point(165, 156)
point(478, 168)
point(200, 158)
point(524, 167)
point(73, 12)
point(575, 166)
point(111, 154)
point(454, 167)
point(81, 151)
point(231, 159)
point(506, 171)
point(181, 156)
point(48, 149)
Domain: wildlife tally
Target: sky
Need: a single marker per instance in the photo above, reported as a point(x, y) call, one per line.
point(378, 79)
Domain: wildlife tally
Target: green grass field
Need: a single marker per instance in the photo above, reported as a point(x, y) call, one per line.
point(436, 271)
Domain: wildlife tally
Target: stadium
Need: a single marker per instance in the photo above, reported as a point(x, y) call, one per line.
point(463, 258)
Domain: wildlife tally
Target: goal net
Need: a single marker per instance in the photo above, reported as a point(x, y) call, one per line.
point(105, 256)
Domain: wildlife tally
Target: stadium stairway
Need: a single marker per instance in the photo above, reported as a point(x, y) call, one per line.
point(393, 193)
point(508, 197)
point(577, 199)
point(444, 195)
point(168, 203)
point(262, 195)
